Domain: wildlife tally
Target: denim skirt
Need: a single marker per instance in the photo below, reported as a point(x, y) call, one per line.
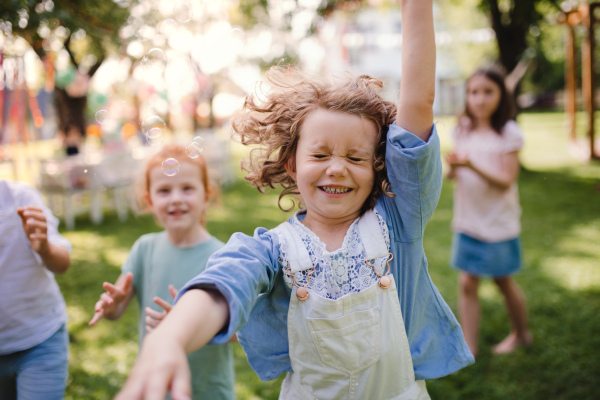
point(491, 259)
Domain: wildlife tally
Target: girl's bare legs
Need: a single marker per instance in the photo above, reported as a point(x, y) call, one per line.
point(468, 309)
point(517, 313)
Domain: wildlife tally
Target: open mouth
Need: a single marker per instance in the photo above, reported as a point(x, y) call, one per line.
point(334, 190)
point(177, 213)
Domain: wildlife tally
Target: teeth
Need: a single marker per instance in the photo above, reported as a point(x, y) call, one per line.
point(335, 190)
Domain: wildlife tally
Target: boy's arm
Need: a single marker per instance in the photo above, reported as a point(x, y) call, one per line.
point(55, 258)
point(417, 89)
point(162, 364)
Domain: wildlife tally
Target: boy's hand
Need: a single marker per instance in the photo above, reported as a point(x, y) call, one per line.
point(153, 318)
point(111, 299)
point(35, 227)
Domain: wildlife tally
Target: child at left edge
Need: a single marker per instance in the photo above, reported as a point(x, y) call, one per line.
point(158, 263)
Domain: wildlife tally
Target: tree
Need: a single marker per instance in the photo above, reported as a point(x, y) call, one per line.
point(89, 30)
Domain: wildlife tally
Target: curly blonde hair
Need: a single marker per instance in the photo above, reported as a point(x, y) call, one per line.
point(273, 123)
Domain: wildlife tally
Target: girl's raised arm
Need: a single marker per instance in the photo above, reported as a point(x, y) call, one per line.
point(417, 89)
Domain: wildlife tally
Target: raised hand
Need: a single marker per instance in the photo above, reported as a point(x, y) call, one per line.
point(35, 227)
point(113, 302)
point(153, 318)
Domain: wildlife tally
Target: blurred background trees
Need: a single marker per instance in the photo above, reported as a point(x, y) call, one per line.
point(204, 56)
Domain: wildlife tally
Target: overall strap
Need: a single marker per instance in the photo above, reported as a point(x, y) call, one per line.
point(371, 236)
point(297, 254)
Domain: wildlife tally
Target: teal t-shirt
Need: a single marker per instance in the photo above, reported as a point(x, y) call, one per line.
point(155, 264)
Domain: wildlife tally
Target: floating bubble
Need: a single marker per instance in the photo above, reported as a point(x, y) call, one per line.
point(153, 121)
point(155, 59)
point(182, 11)
point(193, 150)
point(167, 27)
point(170, 167)
point(155, 136)
point(101, 116)
point(239, 36)
point(200, 142)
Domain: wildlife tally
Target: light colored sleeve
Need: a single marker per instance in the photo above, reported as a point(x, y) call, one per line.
point(513, 137)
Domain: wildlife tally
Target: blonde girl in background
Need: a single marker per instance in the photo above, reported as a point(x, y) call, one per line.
point(485, 165)
point(161, 262)
point(338, 297)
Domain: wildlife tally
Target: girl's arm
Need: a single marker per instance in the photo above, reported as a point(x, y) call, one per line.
point(502, 177)
point(114, 301)
point(417, 89)
point(162, 364)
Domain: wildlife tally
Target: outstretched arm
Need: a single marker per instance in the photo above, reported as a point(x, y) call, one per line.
point(162, 364)
point(417, 89)
point(55, 258)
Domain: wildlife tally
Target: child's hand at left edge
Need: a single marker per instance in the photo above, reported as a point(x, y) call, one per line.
point(154, 318)
point(35, 227)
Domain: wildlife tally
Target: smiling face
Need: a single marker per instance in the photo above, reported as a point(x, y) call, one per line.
point(333, 165)
point(178, 202)
point(483, 97)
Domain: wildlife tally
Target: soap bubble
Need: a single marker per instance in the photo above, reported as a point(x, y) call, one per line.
point(155, 136)
point(155, 59)
point(167, 27)
point(182, 11)
point(153, 121)
point(170, 167)
point(200, 142)
point(193, 150)
point(101, 116)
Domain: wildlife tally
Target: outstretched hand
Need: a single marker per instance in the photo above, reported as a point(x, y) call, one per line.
point(161, 367)
point(153, 318)
point(35, 227)
point(113, 297)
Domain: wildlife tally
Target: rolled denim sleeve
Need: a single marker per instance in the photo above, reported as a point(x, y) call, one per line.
point(415, 172)
point(241, 271)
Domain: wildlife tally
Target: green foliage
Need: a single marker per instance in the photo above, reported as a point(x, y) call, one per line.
point(100, 20)
point(560, 279)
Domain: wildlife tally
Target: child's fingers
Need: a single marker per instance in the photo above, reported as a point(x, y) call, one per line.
point(128, 281)
point(148, 329)
point(111, 289)
point(180, 387)
point(155, 314)
point(165, 305)
point(97, 316)
point(105, 297)
point(173, 291)
point(151, 322)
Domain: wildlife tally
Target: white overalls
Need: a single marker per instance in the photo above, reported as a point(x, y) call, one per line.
point(354, 347)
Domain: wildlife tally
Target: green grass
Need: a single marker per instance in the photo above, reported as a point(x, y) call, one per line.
point(561, 280)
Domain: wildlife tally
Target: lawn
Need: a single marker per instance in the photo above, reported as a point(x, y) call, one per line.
point(561, 280)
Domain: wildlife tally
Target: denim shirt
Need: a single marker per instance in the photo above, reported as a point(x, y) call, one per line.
point(247, 273)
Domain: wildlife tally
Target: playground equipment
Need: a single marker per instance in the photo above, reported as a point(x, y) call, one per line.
point(587, 15)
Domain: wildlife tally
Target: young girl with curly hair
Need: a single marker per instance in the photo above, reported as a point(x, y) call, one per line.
point(338, 297)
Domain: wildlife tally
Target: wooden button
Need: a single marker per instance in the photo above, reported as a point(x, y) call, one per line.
point(302, 294)
point(385, 282)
